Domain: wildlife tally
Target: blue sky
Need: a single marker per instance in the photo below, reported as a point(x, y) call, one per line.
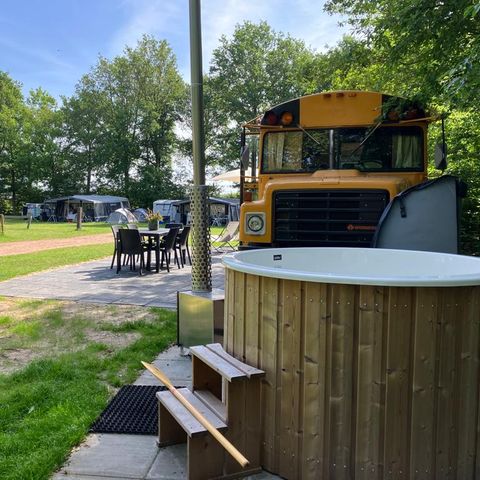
point(52, 43)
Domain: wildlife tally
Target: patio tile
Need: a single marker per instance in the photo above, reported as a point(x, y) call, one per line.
point(67, 476)
point(111, 455)
point(170, 463)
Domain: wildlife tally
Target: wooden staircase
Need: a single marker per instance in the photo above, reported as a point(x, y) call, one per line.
point(227, 392)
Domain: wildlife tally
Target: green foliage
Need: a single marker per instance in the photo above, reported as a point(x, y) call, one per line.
point(437, 43)
point(251, 71)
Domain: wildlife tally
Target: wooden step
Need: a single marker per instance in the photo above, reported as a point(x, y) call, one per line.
point(213, 403)
point(184, 418)
point(224, 364)
point(250, 372)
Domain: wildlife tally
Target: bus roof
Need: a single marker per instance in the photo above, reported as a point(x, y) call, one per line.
point(341, 108)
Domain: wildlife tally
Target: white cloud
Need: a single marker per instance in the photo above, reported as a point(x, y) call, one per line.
point(302, 19)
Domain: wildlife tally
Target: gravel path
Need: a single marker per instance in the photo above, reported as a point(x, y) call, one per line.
point(29, 246)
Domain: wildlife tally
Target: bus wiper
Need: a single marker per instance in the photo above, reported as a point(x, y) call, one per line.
point(369, 134)
point(307, 134)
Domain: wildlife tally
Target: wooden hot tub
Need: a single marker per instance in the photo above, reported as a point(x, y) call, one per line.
point(371, 359)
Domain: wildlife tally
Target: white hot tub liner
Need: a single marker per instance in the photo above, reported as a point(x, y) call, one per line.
point(359, 266)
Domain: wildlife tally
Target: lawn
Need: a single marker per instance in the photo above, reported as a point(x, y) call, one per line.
point(16, 230)
point(60, 363)
point(16, 265)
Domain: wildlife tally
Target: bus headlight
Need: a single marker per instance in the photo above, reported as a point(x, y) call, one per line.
point(255, 223)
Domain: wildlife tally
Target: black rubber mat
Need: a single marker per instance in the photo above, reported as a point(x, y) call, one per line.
point(134, 409)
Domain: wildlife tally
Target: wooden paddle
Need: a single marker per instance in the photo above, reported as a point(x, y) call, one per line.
point(229, 447)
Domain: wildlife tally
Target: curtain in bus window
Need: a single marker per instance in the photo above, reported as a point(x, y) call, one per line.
point(275, 144)
point(406, 151)
point(283, 151)
point(292, 153)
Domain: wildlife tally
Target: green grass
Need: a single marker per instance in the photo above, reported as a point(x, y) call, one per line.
point(16, 230)
point(16, 265)
point(48, 407)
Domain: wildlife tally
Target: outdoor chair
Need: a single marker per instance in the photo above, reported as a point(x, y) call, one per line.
point(132, 226)
point(116, 242)
point(131, 245)
point(181, 245)
point(227, 237)
point(167, 246)
point(174, 225)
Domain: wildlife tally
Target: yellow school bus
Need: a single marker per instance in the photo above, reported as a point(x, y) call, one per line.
point(329, 164)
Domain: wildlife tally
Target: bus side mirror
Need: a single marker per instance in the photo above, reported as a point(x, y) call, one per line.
point(441, 156)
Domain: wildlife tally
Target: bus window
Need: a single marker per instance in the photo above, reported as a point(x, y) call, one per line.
point(295, 151)
point(387, 149)
point(384, 149)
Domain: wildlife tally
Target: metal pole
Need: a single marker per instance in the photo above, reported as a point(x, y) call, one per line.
point(202, 262)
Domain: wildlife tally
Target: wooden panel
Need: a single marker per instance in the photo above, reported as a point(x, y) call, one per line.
point(289, 381)
point(252, 323)
point(248, 370)
point(213, 403)
point(447, 413)
point(216, 363)
point(370, 406)
point(468, 388)
point(253, 422)
point(268, 363)
point(184, 418)
point(341, 389)
point(169, 431)
point(236, 420)
point(397, 395)
point(205, 458)
point(422, 446)
point(239, 322)
point(229, 309)
point(204, 378)
point(312, 416)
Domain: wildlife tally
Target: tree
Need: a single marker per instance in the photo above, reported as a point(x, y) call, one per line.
point(438, 43)
point(12, 122)
point(83, 130)
point(253, 70)
point(140, 96)
point(43, 155)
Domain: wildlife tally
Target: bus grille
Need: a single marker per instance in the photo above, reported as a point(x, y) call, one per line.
point(327, 218)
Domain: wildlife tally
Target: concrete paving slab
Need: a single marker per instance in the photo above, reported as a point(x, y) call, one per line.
point(67, 476)
point(112, 455)
point(94, 282)
point(170, 463)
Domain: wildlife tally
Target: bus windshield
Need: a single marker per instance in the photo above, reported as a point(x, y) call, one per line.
point(382, 149)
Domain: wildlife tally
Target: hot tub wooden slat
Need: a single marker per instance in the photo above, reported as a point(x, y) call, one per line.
point(239, 327)
point(252, 325)
point(314, 335)
point(468, 381)
point(446, 441)
point(397, 401)
point(342, 329)
point(423, 403)
point(268, 363)
point(371, 384)
point(289, 345)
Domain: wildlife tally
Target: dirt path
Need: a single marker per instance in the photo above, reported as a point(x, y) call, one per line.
point(15, 248)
